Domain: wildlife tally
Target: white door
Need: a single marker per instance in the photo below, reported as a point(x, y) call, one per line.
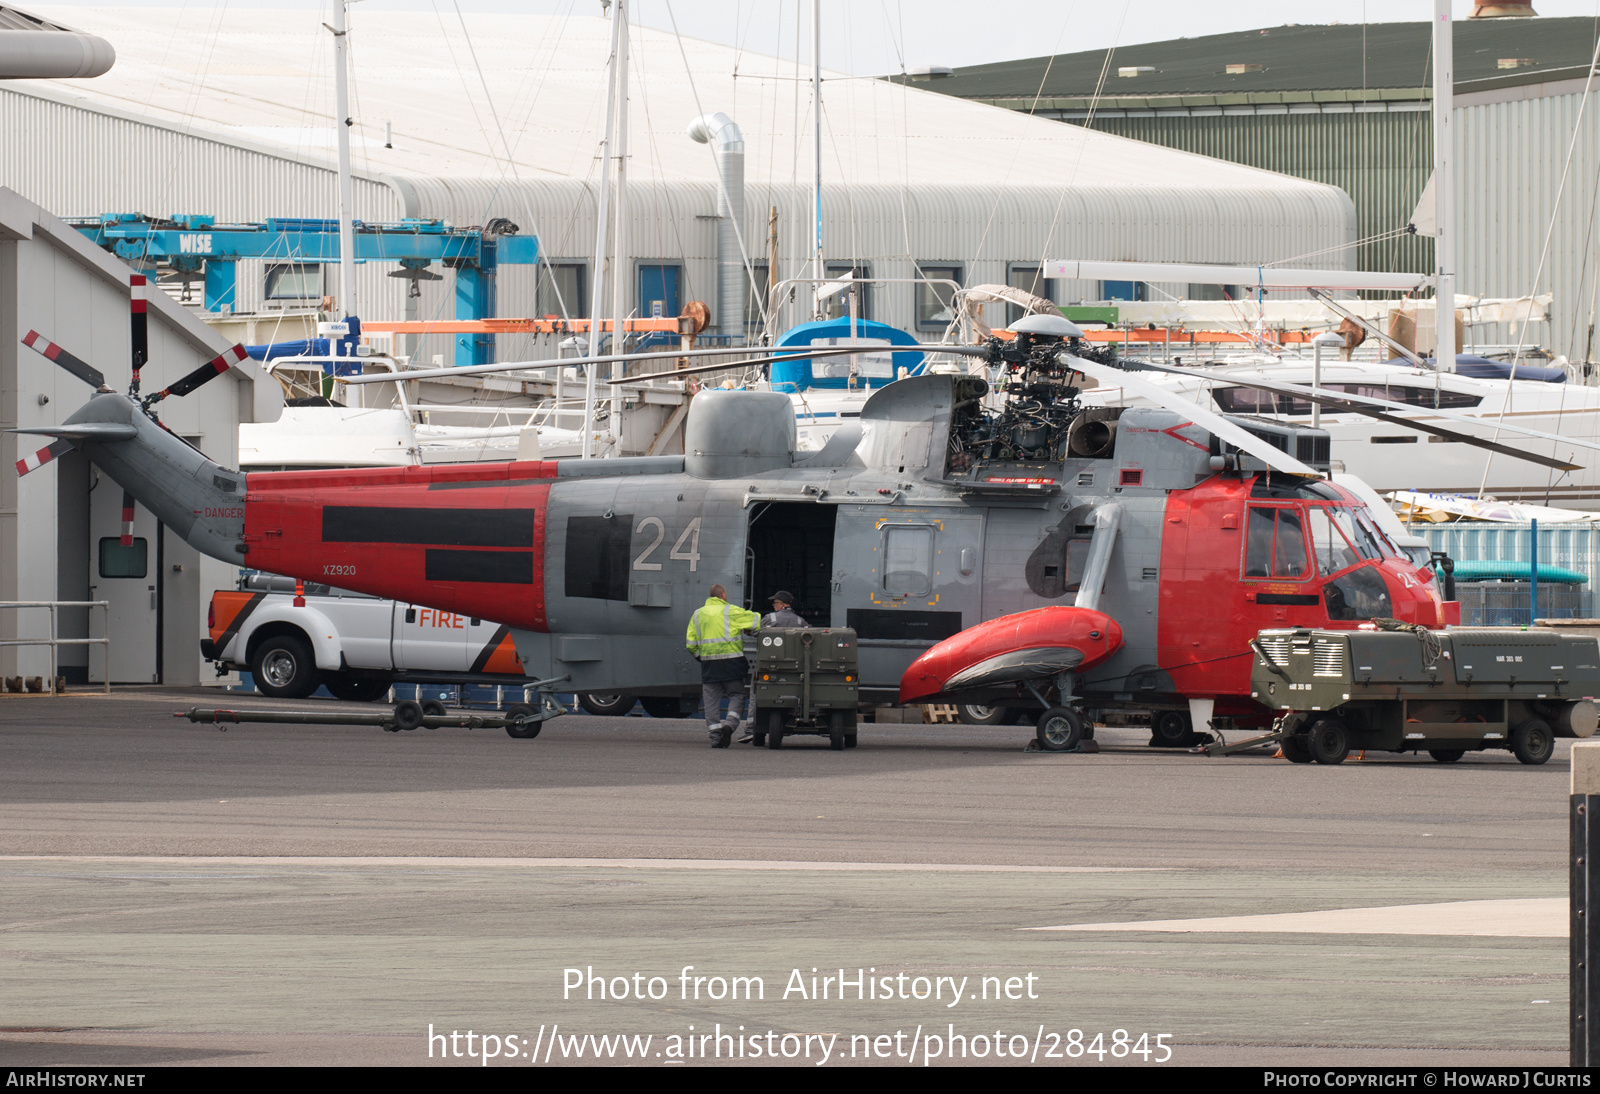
point(429, 640)
point(127, 575)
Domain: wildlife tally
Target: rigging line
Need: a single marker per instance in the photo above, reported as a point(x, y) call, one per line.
point(1088, 125)
point(511, 164)
point(1379, 238)
point(190, 102)
point(738, 229)
point(1555, 210)
point(1583, 264)
point(1022, 138)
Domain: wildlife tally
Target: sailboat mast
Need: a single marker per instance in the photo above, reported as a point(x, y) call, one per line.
point(816, 130)
point(1444, 239)
point(597, 278)
point(341, 96)
point(621, 279)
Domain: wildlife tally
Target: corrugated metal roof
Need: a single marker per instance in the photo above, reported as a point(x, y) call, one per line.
point(1295, 58)
point(262, 79)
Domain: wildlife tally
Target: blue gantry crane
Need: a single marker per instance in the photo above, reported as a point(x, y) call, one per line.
point(198, 245)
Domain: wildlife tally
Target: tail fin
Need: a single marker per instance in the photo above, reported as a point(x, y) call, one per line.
point(199, 500)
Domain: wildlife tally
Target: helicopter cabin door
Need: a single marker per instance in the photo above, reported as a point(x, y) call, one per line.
point(790, 547)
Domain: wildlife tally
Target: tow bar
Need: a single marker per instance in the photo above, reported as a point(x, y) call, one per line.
point(521, 721)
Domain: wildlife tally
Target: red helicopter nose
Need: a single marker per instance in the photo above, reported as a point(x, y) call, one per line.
point(1025, 646)
point(1415, 597)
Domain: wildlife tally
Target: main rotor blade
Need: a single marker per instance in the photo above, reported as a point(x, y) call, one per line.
point(1366, 404)
point(201, 376)
point(771, 358)
point(792, 353)
point(1245, 441)
point(79, 368)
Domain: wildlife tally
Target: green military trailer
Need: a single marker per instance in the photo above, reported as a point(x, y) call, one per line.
point(1407, 689)
point(806, 681)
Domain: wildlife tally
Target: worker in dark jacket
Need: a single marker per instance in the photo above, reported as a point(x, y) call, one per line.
point(783, 613)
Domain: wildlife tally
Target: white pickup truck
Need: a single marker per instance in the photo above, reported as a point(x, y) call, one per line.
point(355, 645)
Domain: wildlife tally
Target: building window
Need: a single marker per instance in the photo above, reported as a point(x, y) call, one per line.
point(1028, 279)
point(935, 299)
point(1218, 292)
point(294, 281)
point(839, 303)
point(755, 293)
point(119, 561)
point(1122, 290)
point(561, 283)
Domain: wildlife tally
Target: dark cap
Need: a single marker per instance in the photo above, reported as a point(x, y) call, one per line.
point(784, 595)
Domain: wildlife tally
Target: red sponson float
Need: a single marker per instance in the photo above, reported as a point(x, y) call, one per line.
point(1026, 646)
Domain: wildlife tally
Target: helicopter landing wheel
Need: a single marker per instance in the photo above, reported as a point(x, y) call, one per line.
point(1059, 729)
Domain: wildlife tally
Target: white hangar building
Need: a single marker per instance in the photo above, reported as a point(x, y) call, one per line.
point(61, 525)
point(227, 112)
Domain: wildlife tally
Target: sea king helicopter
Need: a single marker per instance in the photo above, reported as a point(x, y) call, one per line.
point(990, 539)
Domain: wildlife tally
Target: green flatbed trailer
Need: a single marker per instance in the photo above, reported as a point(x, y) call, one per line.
point(806, 680)
point(1446, 692)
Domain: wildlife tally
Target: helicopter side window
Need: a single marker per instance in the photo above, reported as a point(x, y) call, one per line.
point(1275, 546)
point(907, 560)
point(1333, 550)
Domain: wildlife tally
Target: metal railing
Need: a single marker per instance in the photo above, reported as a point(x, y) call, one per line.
point(55, 641)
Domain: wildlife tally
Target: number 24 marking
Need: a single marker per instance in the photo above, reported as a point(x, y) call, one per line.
point(691, 535)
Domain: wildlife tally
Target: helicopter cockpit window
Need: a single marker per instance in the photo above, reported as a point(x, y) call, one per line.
point(1359, 594)
point(907, 561)
point(1293, 486)
point(1357, 533)
point(1275, 546)
point(1332, 549)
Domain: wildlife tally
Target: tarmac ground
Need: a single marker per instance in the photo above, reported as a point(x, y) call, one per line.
point(174, 894)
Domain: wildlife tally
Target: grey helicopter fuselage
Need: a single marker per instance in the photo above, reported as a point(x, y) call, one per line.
point(910, 526)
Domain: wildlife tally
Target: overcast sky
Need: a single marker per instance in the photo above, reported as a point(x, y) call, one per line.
point(877, 36)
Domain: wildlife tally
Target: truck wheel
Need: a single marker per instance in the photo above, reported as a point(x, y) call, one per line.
point(1059, 729)
point(661, 706)
point(284, 668)
point(356, 689)
point(974, 714)
point(1532, 742)
point(775, 729)
point(850, 740)
point(520, 722)
point(407, 715)
point(836, 721)
point(1447, 755)
point(607, 705)
point(1171, 729)
point(1296, 750)
point(1329, 741)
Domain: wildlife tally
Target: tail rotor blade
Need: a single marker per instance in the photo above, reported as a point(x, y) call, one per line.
point(35, 460)
point(79, 368)
point(127, 519)
point(140, 320)
point(207, 372)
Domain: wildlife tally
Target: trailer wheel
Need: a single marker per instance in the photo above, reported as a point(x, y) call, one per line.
point(1447, 755)
point(607, 704)
point(284, 667)
point(1329, 741)
point(1059, 729)
point(520, 722)
point(407, 715)
point(1296, 750)
point(836, 723)
point(850, 739)
point(975, 714)
point(661, 706)
point(1532, 742)
point(433, 708)
point(1172, 729)
point(775, 729)
point(356, 689)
